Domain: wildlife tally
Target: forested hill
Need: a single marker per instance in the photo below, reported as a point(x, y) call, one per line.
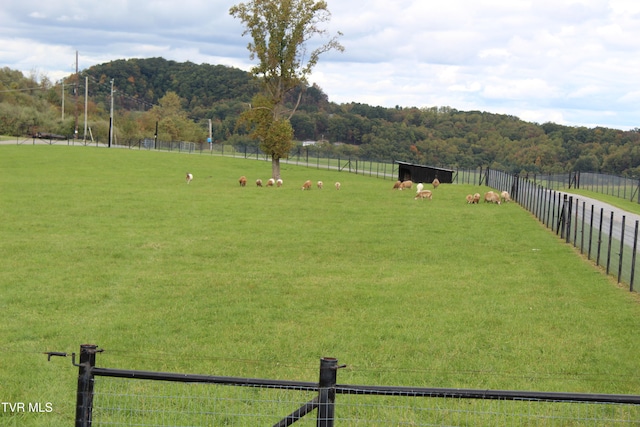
point(182, 97)
point(200, 86)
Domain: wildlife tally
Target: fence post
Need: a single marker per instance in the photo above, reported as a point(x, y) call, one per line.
point(84, 402)
point(610, 241)
point(600, 236)
point(568, 219)
point(575, 223)
point(621, 255)
point(562, 214)
point(327, 391)
point(633, 257)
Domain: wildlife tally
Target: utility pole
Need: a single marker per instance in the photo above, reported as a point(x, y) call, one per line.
point(210, 137)
point(63, 101)
point(75, 133)
point(86, 98)
point(111, 118)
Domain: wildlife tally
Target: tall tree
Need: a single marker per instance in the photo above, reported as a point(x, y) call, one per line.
point(280, 30)
point(173, 120)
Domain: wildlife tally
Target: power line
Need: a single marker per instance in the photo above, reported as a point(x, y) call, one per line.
point(143, 102)
point(107, 88)
point(24, 90)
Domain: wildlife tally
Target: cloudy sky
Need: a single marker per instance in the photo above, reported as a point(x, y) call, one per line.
point(573, 62)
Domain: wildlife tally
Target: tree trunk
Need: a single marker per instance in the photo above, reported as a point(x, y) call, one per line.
point(275, 167)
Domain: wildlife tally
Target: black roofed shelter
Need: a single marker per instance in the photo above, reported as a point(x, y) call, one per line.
point(421, 173)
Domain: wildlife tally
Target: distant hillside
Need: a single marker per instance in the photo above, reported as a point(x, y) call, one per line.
point(439, 135)
point(199, 85)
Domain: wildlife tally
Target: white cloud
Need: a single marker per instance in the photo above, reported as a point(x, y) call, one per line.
point(632, 97)
point(586, 91)
point(540, 116)
point(519, 89)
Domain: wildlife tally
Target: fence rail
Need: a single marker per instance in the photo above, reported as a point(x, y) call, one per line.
point(612, 185)
point(300, 156)
point(311, 156)
point(130, 397)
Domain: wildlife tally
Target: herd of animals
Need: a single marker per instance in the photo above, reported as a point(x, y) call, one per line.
point(273, 182)
point(421, 193)
point(490, 197)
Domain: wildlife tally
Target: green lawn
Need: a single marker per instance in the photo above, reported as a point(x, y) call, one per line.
point(112, 247)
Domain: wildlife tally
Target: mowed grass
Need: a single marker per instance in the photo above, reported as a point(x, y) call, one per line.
point(112, 247)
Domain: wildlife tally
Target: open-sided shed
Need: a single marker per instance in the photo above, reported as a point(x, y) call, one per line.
point(421, 173)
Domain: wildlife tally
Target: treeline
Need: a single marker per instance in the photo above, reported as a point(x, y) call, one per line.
point(180, 99)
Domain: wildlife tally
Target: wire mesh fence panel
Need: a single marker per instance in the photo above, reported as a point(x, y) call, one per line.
point(468, 176)
point(622, 187)
point(610, 241)
point(371, 410)
point(126, 402)
point(118, 397)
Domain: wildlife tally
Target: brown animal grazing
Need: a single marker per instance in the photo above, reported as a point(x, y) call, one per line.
point(424, 194)
point(338, 185)
point(469, 198)
point(491, 197)
point(397, 185)
point(189, 177)
point(279, 183)
point(406, 184)
point(476, 198)
point(306, 185)
point(270, 182)
point(259, 182)
point(435, 183)
point(320, 184)
point(505, 197)
point(243, 181)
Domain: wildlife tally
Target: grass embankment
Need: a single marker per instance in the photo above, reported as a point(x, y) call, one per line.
point(111, 247)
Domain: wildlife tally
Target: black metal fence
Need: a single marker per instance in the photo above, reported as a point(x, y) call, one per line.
point(319, 157)
point(308, 156)
point(129, 397)
point(607, 237)
point(617, 186)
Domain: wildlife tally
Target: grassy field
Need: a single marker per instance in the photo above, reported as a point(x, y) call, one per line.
point(112, 247)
